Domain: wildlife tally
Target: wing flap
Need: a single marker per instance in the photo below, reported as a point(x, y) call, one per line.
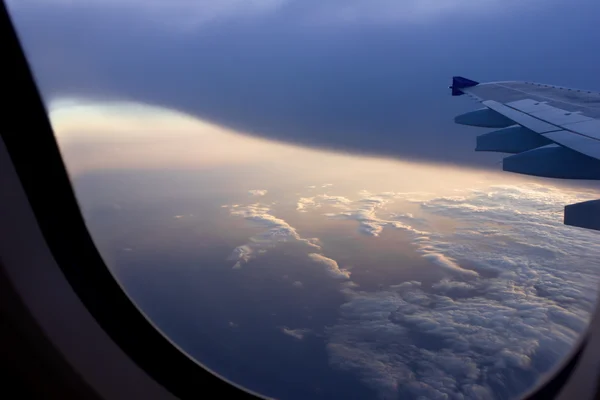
point(553, 161)
point(559, 117)
point(521, 118)
point(581, 144)
point(513, 140)
point(589, 128)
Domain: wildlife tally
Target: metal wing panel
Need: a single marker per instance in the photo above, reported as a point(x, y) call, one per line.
point(521, 118)
point(572, 100)
point(589, 128)
point(582, 136)
point(581, 144)
point(568, 117)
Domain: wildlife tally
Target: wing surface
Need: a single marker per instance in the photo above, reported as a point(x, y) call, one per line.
point(550, 131)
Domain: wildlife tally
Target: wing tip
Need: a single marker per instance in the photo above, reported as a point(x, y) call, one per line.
point(459, 82)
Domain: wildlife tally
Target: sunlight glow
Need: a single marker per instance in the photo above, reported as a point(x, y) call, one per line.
point(115, 136)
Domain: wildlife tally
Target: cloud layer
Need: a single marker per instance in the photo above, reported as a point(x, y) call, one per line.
point(361, 76)
point(277, 231)
point(488, 332)
point(517, 291)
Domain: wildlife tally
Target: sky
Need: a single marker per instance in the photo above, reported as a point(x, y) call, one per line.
point(411, 285)
point(154, 87)
point(355, 76)
point(403, 277)
point(384, 274)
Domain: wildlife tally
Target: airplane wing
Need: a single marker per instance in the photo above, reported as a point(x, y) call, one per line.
point(550, 131)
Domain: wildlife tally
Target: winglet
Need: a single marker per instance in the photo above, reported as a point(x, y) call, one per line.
point(458, 82)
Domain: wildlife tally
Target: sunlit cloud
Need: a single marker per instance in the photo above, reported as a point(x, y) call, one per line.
point(99, 136)
point(257, 192)
point(331, 266)
point(304, 203)
point(493, 329)
point(449, 264)
point(363, 210)
point(278, 231)
point(117, 135)
point(518, 285)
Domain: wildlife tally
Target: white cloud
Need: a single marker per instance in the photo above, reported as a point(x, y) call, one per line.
point(449, 264)
point(484, 332)
point(182, 216)
point(295, 333)
point(304, 203)
point(331, 266)
point(518, 291)
point(241, 255)
point(298, 284)
point(337, 201)
point(277, 231)
point(362, 210)
point(257, 192)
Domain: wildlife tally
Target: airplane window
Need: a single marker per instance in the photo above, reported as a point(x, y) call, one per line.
point(281, 188)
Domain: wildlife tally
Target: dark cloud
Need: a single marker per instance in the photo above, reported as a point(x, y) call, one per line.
point(335, 74)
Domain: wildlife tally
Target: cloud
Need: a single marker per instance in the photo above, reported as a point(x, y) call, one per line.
point(331, 266)
point(338, 201)
point(298, 284)
point(362, 210)
point(449, 264)
point(241, 255)
point(304, 203)
point(277, 231)
point(297, 334)
point(180, 216)
point(267, 69)
point(487, 332)
point(257, 192)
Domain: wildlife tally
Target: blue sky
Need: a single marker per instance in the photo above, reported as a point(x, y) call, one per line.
point(359, 76)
